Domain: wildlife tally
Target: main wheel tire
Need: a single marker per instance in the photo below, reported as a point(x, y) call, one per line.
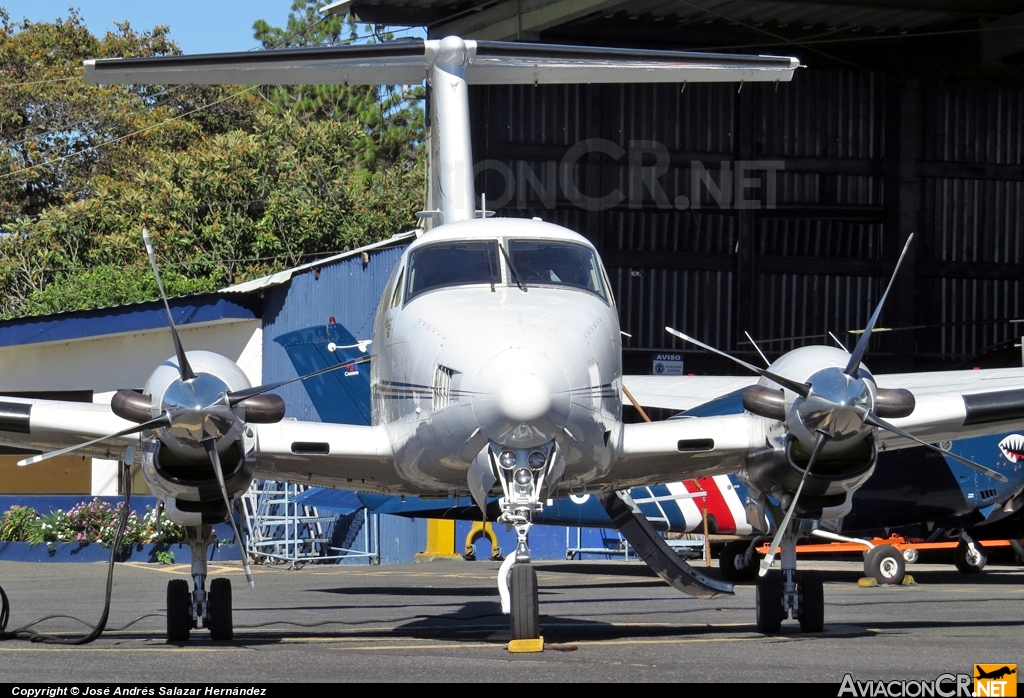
point(219, 608)
point(179, 611)
point(968, 562)
point(730, 562)
point(768, 603)
point(812, 602)
point(525, 608)
point(885, 563)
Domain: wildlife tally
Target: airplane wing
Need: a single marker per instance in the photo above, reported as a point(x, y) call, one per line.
point(659, 452)
point(682, 392)
point(949, 405)
point(957, 404)
point(342, 456)
point(46, 425)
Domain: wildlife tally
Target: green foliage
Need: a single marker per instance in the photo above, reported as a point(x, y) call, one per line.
point(391, 128)
point(232, 183)
point(19, 523)
point(165, 557)
point(88, 522)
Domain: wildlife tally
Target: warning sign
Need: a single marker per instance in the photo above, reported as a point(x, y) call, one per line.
point(668, 364)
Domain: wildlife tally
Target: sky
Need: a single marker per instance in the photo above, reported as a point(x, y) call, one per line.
point(198, 26)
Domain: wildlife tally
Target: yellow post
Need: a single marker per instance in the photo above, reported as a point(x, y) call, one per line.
point(440, 540)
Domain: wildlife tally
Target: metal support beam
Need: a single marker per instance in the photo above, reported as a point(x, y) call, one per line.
point(747, 308)
point(1004, 37)
point(903, 203)
point(521, 19)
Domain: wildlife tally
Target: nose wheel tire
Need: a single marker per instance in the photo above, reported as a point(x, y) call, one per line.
point(219, 609)
point(812, 602)
point(179, 611)
point(768, 603)
point(524, 606)
point(969, 562)
point(886, 564)
point(730, 562)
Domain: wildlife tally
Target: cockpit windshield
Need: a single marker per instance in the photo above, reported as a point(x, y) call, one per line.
point(454, 263)
point(556, 263)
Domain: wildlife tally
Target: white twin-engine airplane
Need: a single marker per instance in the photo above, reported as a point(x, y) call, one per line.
point(496, 364)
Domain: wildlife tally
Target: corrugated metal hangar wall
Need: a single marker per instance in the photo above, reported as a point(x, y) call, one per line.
point(774, 209)
point(837, 168)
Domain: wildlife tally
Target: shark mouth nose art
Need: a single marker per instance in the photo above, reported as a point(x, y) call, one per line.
point(1012, 447)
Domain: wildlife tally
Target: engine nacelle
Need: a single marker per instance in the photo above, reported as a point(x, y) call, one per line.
point(189, 487)
point(829, 487)
point(175, 463)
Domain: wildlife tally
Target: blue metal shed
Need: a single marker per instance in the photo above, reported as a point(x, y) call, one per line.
point(343, 289)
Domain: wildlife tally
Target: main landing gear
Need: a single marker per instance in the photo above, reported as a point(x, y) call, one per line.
point(210, 609)
point(788, 593)
point(969, 557)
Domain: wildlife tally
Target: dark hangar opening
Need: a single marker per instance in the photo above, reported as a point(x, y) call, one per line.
point(774, 209)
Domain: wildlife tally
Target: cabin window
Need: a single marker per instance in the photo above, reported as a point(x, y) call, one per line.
point(454, 263)
point(556, 263)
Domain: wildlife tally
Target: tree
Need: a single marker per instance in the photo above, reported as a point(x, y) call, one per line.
point(232, 185)
point(392, 127)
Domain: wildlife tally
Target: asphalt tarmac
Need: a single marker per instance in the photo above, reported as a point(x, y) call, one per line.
point(441, 621)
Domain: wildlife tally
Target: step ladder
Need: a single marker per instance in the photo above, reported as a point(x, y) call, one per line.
point(281, 530)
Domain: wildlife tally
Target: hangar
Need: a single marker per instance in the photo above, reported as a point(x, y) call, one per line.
point(773, 209)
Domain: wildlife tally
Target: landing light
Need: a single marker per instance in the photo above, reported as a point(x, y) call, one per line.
point(523, 477)
point(507, 459)
point(536, 460)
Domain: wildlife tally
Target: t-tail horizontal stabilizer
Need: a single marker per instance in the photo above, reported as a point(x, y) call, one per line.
point(449, 65)
point(652, 549)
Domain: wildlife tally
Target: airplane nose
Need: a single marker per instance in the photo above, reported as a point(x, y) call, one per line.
point(520, 398)
point(524, 398)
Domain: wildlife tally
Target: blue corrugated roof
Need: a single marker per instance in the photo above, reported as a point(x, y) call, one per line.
point(79, 324)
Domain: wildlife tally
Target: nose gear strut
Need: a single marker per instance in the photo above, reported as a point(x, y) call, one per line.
point(525, 475)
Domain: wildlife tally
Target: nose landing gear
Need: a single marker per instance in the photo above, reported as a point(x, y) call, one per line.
point(523, 476)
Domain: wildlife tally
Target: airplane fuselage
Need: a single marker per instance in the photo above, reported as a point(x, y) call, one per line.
point(500, 332)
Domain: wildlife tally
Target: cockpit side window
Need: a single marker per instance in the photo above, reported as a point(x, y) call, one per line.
point(453, 263)
point(557, 263)
point(396, 296)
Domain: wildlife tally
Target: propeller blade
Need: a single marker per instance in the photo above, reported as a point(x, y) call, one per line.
point(186, 370)
point(239, 395)
point(862, 344)
point(766, 563)
point(211, 450)
point(801, 389)
point(751, 340)
point(838, 341)
point(876, 421)
point(161, 421)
